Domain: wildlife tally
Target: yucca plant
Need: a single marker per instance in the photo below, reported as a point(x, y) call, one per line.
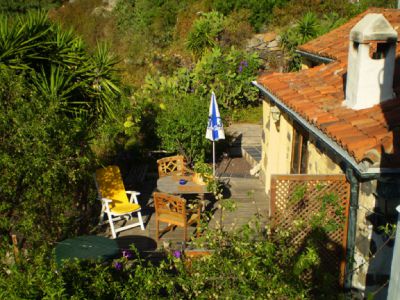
point(56, 86)
point(59, 66)
point(308, 27)
point(102, 79)
point(21, 38)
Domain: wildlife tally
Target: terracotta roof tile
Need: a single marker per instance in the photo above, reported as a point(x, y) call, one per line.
point(335, 43)
point(317, 94)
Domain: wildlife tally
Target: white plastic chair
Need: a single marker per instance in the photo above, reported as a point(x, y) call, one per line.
point(115, 202)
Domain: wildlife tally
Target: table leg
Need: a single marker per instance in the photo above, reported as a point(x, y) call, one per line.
point(202, 202)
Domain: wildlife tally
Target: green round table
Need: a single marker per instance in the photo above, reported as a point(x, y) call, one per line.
point(86, 247)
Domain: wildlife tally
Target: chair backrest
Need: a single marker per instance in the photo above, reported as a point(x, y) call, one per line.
point(171, 165)
point(110, 184)
point(170, 205)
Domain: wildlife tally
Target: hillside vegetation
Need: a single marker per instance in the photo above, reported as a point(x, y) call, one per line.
point(156, 37)
point(88, 83)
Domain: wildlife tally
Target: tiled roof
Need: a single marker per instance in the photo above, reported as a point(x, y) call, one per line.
point(335, 44)
point(317, 94)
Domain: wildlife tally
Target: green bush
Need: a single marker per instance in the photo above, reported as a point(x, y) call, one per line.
point(179, 103)
point(244, 264)
point(45, 160)
point(181, 126)
point(22, 6)
point(260, 11)
point(237, 30)
point(229, 75)
point(205, 33)
point(308, 27)
point(150, 20)
point(54, 95)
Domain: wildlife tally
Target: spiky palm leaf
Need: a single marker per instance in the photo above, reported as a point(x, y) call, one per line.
point(57, 86)
point(60, 67)
point(21, 38)
point(103, 80)
point(308, 27)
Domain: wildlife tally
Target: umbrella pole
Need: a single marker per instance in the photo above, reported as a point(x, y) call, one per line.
point(213, 159)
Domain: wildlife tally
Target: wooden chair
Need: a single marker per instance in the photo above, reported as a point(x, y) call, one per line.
point(172, 165)
point(115, 202)
point(172, 210)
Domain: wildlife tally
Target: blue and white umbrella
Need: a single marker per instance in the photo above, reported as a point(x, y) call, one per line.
point(215, 129)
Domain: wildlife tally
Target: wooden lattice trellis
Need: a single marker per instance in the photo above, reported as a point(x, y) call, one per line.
point(287, 214)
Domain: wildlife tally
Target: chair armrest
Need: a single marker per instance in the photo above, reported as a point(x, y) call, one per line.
point(133, 196)
point(106, 200)
point(133, 192)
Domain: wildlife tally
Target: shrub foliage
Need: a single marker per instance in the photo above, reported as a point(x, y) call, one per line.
point(244, 264)
point(54, 94)
point(179, 103)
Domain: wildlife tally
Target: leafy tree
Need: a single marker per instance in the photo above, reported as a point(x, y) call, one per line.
point(45, 158)
point(158, 96)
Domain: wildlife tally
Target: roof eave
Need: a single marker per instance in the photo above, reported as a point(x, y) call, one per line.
point(315, 57)
point(360, 168)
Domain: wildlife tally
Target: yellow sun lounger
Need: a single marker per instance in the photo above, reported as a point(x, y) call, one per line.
point(115, 202)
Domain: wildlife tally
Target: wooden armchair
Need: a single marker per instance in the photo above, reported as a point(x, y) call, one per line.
point(172, 165)
point(172, 210)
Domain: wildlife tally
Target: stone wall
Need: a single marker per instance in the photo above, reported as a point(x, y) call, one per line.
point(373, 251)
point(268, 47)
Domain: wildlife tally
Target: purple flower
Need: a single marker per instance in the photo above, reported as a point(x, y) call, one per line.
point(118, 266)
point(242, 64)
point(127, 254)
point(177, 254)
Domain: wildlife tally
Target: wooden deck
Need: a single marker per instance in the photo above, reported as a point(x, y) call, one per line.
point(248, 194)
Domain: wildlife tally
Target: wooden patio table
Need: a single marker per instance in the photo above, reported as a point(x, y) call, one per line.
point(170, 184)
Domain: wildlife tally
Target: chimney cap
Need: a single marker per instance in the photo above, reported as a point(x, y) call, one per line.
point(373, 27)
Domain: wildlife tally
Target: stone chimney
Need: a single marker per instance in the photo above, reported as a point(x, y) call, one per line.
point(372, 53)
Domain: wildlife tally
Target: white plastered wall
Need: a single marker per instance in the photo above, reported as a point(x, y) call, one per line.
point(276, 146)
point(319, 163)
point(369, 81)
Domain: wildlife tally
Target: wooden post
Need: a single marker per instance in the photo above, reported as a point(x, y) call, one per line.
point(15, 247)
point(272, 198)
